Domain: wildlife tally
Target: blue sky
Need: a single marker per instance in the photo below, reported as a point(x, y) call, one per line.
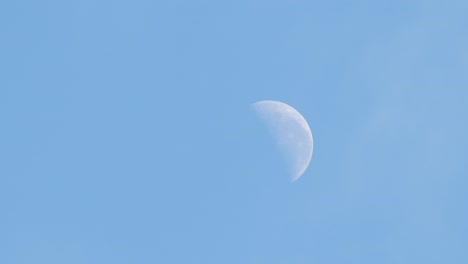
point(127, 135)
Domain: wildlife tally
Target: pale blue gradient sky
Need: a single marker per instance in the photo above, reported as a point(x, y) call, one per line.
point(126, 134)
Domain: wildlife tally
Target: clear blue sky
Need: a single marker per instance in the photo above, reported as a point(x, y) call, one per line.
point(126, 134)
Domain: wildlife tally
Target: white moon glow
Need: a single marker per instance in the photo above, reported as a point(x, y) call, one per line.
point(291, 131)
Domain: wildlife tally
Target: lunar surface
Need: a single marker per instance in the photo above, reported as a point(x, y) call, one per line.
point(292, 133)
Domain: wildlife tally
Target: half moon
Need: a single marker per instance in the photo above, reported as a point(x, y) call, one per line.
point(291, 131)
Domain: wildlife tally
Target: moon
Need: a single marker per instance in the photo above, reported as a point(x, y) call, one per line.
point(291, 131)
